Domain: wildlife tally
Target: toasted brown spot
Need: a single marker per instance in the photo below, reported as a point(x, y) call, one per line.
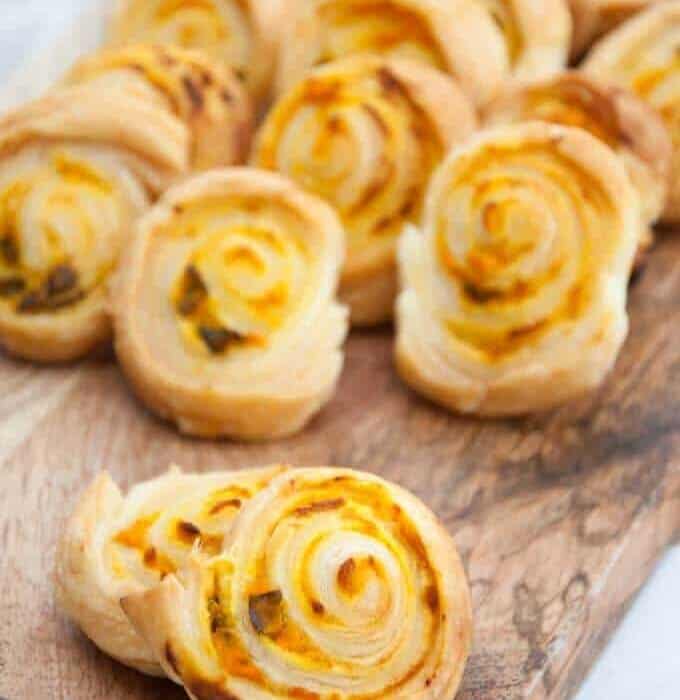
point(226, 96)
point(389, 82)
point(218, 339)
point(320, 507)
point(150, 556)
point(206, 77)
point(193, 92)
point(230, 503)
point(266, 613)
point(346, 572)
point(187, 532)
point(318, 607)
point(172, 659)
point(32, 302)
point(481, 295)
point(432, 598)
point(11, 286)
point(193, 293)
point(62, 279)
point(9, 249)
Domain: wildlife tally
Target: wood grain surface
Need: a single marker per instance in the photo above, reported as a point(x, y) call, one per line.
point(559, 518)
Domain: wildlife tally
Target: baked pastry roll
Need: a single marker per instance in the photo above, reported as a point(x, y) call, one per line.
point(76, 169)
point(515, 293)
point(615, 116)
point(116, 545)
point(240, 33)
point(593, 18)
point(225, 317)
point(204, 94)
point(641, 55)
point(335, 584)
point(365, 134)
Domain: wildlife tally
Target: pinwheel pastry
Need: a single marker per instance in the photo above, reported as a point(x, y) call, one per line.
point(593, 18)
point(642, 55)
point(239, 33)
point(76, 169)
point(335, 584)
point(613, 115)
point(204, 94)
point(116, 545)
point(515, 293)
point(365, 134)
point(224, 309)
point(519, 37)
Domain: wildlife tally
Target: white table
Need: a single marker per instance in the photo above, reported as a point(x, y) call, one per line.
point(643, 660)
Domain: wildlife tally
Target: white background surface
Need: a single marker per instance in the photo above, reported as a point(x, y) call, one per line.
point(643, 660)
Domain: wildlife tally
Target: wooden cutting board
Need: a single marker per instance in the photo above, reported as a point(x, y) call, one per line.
point(559, 518)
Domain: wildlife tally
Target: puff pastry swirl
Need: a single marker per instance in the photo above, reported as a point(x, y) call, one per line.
point(242, 34)
point(593, 18)
point(614, 115)
point(365, 135)
point(336, 584)
point(204, 94)
point(76, 169)
point(116, 545)
point(642, 55)
point(225, 317)
point(515, 294)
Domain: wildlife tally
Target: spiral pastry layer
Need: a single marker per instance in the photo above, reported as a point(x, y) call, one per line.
point(521, 39)
point(239, 33)
point(642, 56)
point(336, 585)
point(225, 316)
point(613, 115)
point(593, 18)
point(515, 294)
point(204, 94)
point(116, 545)
point(76, 169)
point(365, 134)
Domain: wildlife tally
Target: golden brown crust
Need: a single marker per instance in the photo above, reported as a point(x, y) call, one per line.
point(76, 168)
point(245, 343)
point(243, 34)
point(518, 303)
point(641, 55)
point(96, 565)
point(365, 134)
point(206, 95)
point(335, 582)
point(610, 113)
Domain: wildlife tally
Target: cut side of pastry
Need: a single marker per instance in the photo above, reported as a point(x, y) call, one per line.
point(116, 545)
point(76, 169)
point(514, 294)
point(365, 134)
point(593, 18)
point(335, 584)
point(612, 114)
point(642, 56)
point(205, 94)
point(242, 34)
point(225, 314)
